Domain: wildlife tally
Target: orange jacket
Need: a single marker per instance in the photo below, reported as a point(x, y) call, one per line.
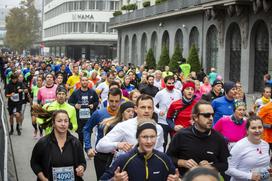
point(266, 114)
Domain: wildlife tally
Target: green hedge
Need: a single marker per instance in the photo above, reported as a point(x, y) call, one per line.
point(146, 3)
point(117, 13)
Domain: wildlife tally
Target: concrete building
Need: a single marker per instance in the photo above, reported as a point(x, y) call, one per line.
point(79, 29)
point(4, 10)
point(234, 36)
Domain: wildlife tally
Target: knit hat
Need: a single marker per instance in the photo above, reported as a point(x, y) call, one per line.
point(228, 85)
point(215, 82)
point(61, 88)
point(238, 103)
point(126, 105)
point(188, 84)
point(146, 125)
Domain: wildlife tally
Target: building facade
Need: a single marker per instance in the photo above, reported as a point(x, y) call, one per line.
point(234, 36)
point(80, 28)
point(4, 10)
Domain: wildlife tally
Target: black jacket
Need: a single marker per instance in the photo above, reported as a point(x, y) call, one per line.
point(189, 143)
point(150, 90)
point(211, 96)
point(46, 154)
point(158, 166)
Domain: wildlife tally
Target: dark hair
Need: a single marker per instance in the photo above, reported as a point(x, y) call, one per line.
point(110, 73)
point(169, 77)
point(252, 118)
point(114, 83)
point(115, 92)
point(149, 76)
point(55, 113)
point(196, 110)
point(14, 76)
point(143, 97)
point(189, 176)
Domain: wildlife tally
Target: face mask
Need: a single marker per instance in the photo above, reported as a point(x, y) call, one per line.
point(170, 87)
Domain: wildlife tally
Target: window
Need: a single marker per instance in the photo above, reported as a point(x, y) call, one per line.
point(83, 5)
point(75, 27)
point(90, 27)
point(91, 5)
point(82, 27)
point(100, 5)
point(71, 6)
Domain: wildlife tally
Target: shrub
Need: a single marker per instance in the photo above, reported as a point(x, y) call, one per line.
point(176, 58)
point(193, 59)
point(146, 3)
point(158, 1)
point(117, 13)
point(131, 6)
point(150, 59)
point(164, 58)
point(124, 7)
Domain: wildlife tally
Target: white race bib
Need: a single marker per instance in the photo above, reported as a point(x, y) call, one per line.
point(84, 113)
point(63, 173)
point(15, 97)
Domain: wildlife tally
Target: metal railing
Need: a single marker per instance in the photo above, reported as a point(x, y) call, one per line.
point(3, 142)
point(162, 8)
point(8, 170)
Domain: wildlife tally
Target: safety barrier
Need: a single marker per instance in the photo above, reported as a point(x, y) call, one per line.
point(8, 170)
point(3, 142)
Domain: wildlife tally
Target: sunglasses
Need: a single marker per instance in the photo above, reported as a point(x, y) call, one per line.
point(206, 114)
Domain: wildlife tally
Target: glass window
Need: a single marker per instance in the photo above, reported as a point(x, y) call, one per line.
point(99, 27)
point(82, 27)
point(71, 6)
point(70, 27)
point(100, 5)
point(75, 27)
point(83, 5)
point(111, 5)
point(91, 5)
point(90, 27)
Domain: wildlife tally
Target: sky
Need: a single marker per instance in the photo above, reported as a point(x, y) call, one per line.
point(9, 3)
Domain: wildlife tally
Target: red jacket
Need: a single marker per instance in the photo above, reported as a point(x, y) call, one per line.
point(184, 117)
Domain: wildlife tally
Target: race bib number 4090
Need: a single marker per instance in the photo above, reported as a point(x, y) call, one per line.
point(63, 173)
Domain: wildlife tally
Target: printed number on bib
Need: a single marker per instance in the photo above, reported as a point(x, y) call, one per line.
point(84, 113)
point(63, 173)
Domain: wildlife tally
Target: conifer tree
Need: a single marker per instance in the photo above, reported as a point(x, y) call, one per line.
point(193, 59)
point(150, 59)
point(164, 58)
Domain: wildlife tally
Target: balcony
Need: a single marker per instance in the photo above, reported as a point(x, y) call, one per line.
point(165, 9)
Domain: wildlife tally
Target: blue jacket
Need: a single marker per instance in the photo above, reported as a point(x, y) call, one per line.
point(156, 167)
point(95, 119)
point(222, 107)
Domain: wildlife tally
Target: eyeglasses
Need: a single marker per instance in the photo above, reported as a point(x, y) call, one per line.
point(146, 138)
point(206, 114)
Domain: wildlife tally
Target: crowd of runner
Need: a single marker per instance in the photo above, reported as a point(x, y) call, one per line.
point(147, 124)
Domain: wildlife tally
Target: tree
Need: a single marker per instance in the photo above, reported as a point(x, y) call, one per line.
point(150, 59)
point(176, 58)
point(193, 59)
point(23, 26)
point(164, 58)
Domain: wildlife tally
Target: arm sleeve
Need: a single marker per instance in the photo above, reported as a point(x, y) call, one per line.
point(156, 101)
point(72, 99)
point(172, 150)
point(39, 97)
point(109, 142)
point(234, 161)
point(82, 160)
point(36, 158)
point(95, 100)
point(74, 119)
point(160, 139)
point(222, 164)
point(263, 112)
point(88, 129)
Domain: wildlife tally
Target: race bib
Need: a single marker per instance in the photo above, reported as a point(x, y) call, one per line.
point(84, 113)
point(63, 173)
point(15, 97)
